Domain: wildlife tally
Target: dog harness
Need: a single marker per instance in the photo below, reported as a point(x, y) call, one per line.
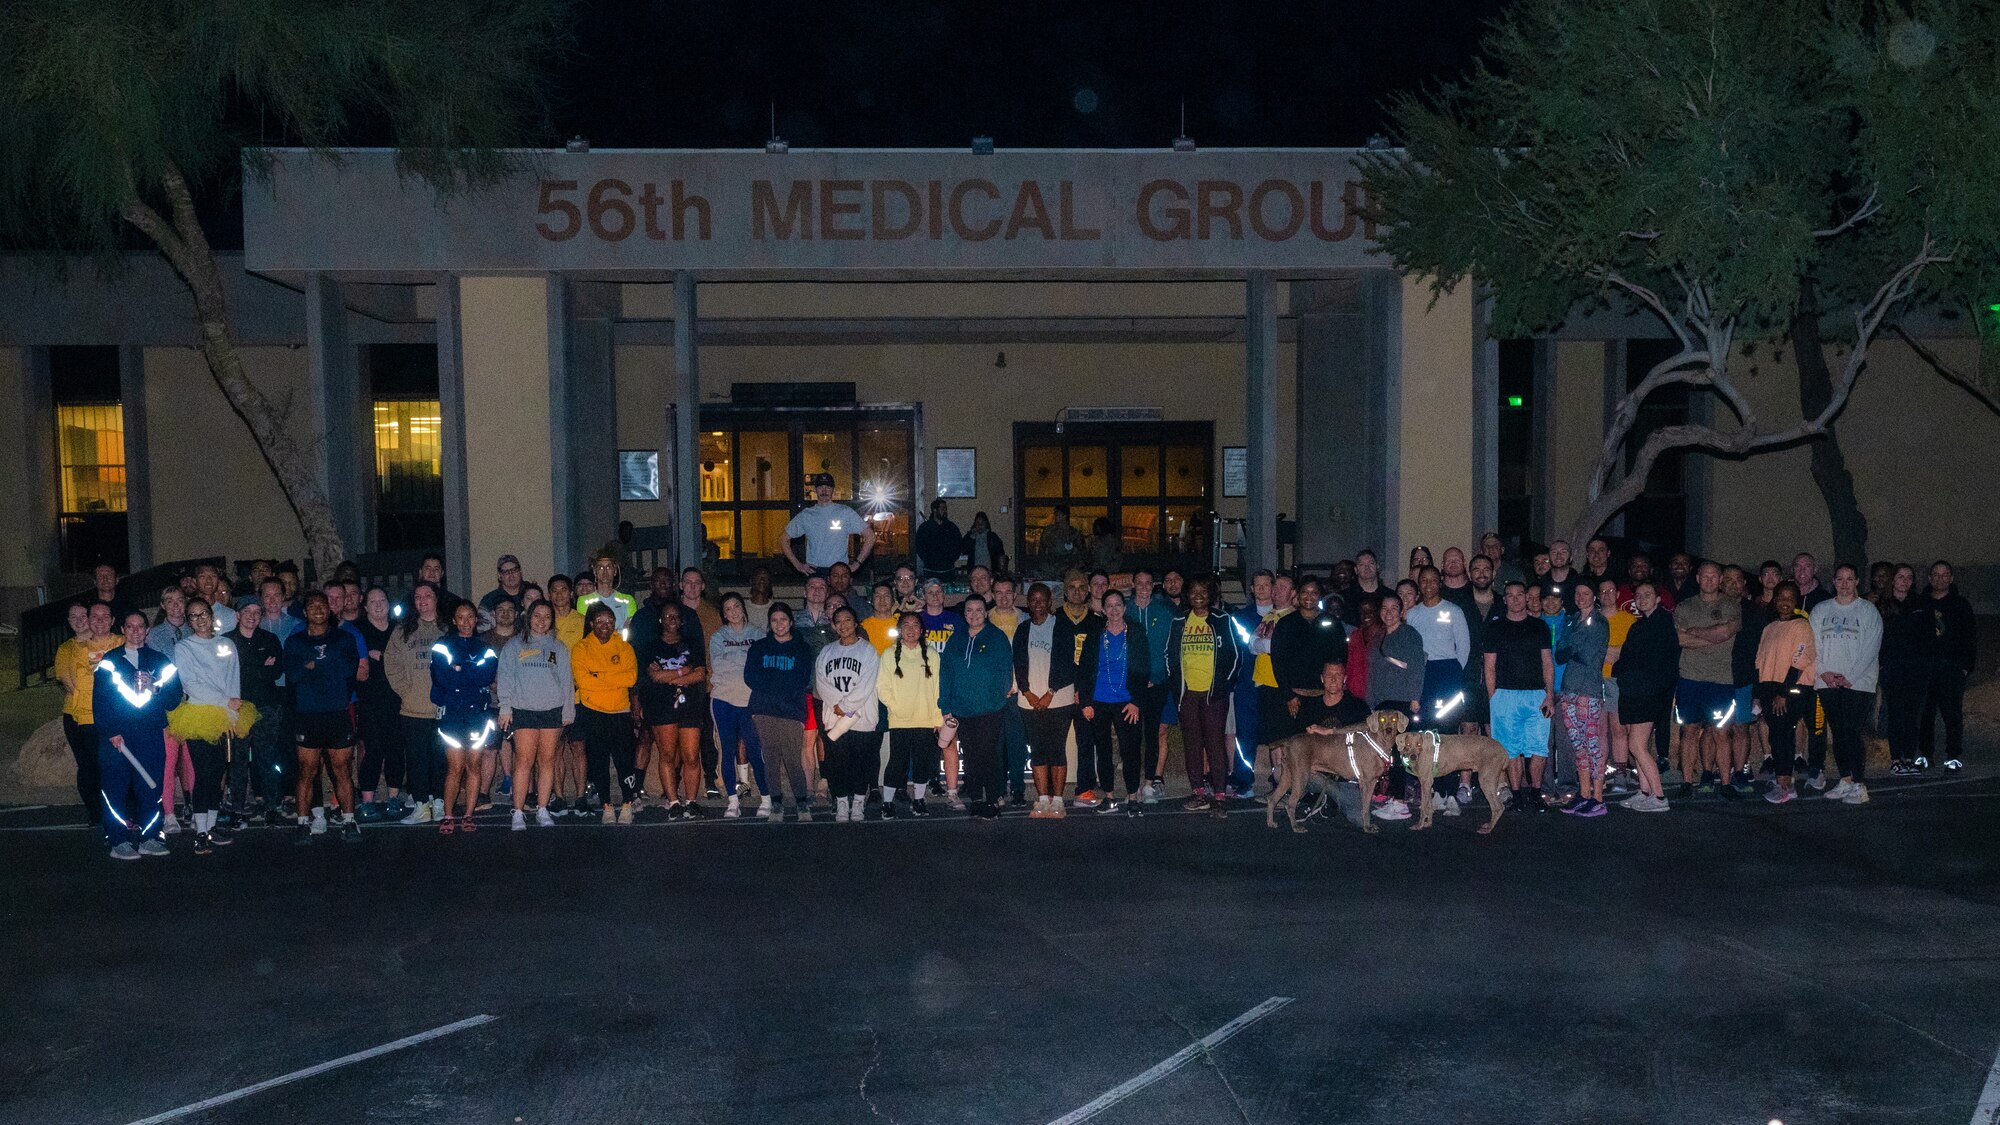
point(1372, 744)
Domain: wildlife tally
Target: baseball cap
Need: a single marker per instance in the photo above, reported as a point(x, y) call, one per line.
point(506, 561)
point(818, 479)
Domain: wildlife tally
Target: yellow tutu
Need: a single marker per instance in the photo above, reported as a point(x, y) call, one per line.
point(205, 722)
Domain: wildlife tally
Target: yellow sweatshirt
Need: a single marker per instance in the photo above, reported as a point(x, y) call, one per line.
point(912, 698)
point(605, 672)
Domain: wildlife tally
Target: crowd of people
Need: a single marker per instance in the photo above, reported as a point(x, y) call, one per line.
point(330, 708)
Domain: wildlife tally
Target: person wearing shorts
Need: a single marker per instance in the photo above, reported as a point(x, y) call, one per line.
point(537, 695)
point(320, 664)
point(1045, 672)
point(463, 670)
point(1520, 686)
point(673, 696)
point(1705, 697)
point(1645, 672)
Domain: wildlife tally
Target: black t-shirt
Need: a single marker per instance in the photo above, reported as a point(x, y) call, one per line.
point(1517, 647)
point(1314, 712)
point(669, 655)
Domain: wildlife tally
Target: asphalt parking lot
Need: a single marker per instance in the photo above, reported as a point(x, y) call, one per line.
point(1723, 962)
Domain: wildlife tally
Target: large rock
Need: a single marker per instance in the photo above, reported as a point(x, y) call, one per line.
point(45, 758)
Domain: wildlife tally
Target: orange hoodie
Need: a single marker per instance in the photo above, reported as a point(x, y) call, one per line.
point(605, 672)
point(1786, 645)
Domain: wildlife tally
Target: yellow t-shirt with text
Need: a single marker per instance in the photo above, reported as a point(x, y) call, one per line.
point(1198, 653)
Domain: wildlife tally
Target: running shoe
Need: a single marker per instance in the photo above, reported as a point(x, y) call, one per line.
point(1087, 799)
point(1706, 788)
point(556, 806)
point(1741, 787)
point(1392, 810)
point(1575, 808)
point(395, 809)
point(1686, 791)
point(1650, 804)
point(1595, 809)
point(1019, 800)
point(203, 845)
point(1450, 807)
point(1041, 810)
point(918, 808)
point(1922, 762)
point(956, 804)
point(168, 824)
point(1839, 791)
point(543, 819)
point(1903, 769)
point(840, 810)
point(506, 787)
point(989, 810)
point(806, 812)
point(370, 812)
point(350, 830)
point(1778, 795)
point(767, 810)
point(1817, 781)
point(1857, 794)
point(221, 837)
point(1056, 810)
point(1953, 765)
point(125, 851)
point(712, 791)
point(519, 822)
point(1109, 806)
point(1464, 793)
point(303, 837)
point(420, 815)
point(1200, 802)
point(1159, 791)
point(625, 813)
point(608, 816)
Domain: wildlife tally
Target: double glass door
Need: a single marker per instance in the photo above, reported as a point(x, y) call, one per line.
point(755, 462)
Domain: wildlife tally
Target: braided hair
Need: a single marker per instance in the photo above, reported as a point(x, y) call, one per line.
point(924, 649)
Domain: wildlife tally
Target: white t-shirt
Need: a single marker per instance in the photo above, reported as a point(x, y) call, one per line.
point(1041, 647)
point(825, 528)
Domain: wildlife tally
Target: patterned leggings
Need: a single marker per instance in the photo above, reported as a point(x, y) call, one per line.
point(1582, 718)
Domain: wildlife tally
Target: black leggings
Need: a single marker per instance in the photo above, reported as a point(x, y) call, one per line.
point(913, 757)
point(1107, 722)
point(1902, 704)
point(850, 763)
point(423, 756)
point(382, 750)
point(209, 766)
point(83, 747)
point(607, 743)
point(1846, 713)
point(1784, 729)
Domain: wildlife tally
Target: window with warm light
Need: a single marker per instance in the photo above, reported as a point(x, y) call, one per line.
point(754, 463)
point(91, 522)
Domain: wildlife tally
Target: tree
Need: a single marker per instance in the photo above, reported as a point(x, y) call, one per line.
point(1708, 164)
point(119, 114)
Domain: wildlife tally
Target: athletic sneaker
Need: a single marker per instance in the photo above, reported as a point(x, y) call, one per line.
point(918, 808)
point(1778, 795)
point(1649, 804)
point(556, 806)
point(221, 837)
point(735, 808)
point(125, 851)
point(319, 822)
point(1392, 810)
point(543, 819)
point(371, 811)
point(1953, 765)
point(1440, 802)
point(955, 804)
point(350, 830)
point(1922, 762)
point(1464, 793)
point(1741, 787)
point(806, 812)
point(767, 810)
point(988, 810)
point(1903, 769)
point(609, 815)
point(1594, 809)
point(1056, 809)
point(1817, 781)
point(519, 823)
point(1109, 806)
point(1839, 791)
point(625, 814)
point(1200, 802)
point(1450, 808)
point(169, 824)
point(1041, 810)
point(422, 814)
point(1018, 800)
point(1857, 794)
point(1087, 799)
point(202, 844)
point(304, 836)
point(395, 809)
point(1159, 791)
point(1633, 802)
point(840, 810)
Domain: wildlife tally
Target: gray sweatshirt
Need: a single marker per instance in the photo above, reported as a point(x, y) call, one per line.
point(1848, 639)
point(534, 676)
point(1584, 642)
point(1389, 681)
point(209, 669)
point(728, 651)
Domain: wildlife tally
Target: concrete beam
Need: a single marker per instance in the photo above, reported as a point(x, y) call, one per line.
point(1260, 361)
point(347, 434)
point(138, 471)
point(682, 419)
point(451, 434)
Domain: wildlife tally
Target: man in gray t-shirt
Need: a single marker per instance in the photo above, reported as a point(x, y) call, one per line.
point(1705, 699)
point(826, 527)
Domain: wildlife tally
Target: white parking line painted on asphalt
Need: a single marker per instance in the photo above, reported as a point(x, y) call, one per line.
point(1171, 1063)
point(318, 1068)
point(23, 808)
point(1988, 1110)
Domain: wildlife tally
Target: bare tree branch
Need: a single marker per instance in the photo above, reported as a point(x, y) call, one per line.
point(1967, 383)
point(1861, 215)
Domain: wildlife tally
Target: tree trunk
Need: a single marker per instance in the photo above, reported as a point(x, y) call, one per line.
point(186, 249)
point(1829, 465)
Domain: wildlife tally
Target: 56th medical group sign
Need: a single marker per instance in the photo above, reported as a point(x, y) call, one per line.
point(1226, 210)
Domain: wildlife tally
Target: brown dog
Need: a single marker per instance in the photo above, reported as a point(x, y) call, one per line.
point(1359, 753)
point(1431, 754)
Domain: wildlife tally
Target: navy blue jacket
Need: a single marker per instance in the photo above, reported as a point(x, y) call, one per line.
point(118, 707)
point(327, 685)
point(462, 672)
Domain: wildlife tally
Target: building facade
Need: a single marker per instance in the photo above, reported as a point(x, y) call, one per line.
point(676, 339)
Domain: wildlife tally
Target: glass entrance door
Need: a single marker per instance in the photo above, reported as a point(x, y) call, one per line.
point(1152, 483)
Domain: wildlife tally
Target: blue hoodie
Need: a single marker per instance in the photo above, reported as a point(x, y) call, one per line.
point(327, 685)
point(977, 672)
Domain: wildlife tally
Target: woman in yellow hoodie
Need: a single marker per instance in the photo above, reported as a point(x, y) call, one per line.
point(907, 685)
point(605, 669)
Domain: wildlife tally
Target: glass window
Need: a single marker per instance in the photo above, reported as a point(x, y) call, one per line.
point(764, 532)
point(1187, 470)
point(765, 472)
point(409, 473)
point(90, 445)
point(1041, 471)
point(1089, 472)
point(716, 473)
point(833, 453)
point(719, 528)
point(1139, 470)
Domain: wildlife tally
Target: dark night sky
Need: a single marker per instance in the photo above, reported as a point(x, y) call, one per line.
point(703, 73)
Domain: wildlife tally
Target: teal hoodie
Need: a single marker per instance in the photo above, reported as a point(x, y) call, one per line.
point(977, 672)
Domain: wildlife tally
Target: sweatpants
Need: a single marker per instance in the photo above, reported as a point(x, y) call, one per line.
point(1014, 747)
point(913, 757)
point(1846, 712)
point(1241, 770)
point(1902, 701)
point(607, 744)
point(850, 763)
point(131, 808)
point(980, 757)
point(783, 742)
point(382, 757)
point(1944, 698)
point(83, 747)
point(209, 764)
point(423, 757)
point(1784, 729)
point(1204, 741)
point(733, 727)
point(1108, 725)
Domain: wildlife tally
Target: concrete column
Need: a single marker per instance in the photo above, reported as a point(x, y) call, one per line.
point(1574, 410)
point(36, 551)
point(684, 418)
point(563, 548)
point(1435, 423)
point(452, 444)
point(346, 416)
point(505, 403)
point(1260, 361)
point(593, 410)
point(1485, 424)
point(1346, 374)
point(138, 484)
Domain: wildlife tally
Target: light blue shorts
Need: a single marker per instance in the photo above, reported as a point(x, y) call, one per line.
point(1518, 723)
